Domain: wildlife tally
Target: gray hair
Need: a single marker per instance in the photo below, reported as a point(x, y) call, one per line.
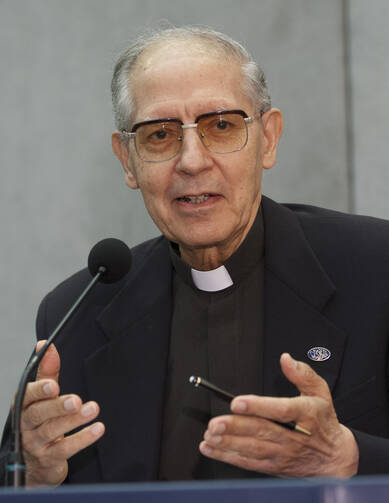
point(254, 81)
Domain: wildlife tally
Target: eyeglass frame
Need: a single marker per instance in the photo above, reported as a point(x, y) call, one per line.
point(247, 119)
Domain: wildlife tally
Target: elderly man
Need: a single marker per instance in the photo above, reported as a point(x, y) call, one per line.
point(234, 287)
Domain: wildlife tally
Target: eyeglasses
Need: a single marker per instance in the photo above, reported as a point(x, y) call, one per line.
point(221, 132)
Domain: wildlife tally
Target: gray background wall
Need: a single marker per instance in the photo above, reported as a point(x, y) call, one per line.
point(61, 189)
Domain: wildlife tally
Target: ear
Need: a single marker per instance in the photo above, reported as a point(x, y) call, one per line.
point(122, 152)
point(272, 129)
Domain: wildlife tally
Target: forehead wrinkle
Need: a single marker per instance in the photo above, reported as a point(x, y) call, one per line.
point(189, 113)
point(189, 107)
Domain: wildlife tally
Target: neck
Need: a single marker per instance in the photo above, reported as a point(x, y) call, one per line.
point(205, 259)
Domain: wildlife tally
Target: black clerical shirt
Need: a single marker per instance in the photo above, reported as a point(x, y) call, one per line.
point(219, 336)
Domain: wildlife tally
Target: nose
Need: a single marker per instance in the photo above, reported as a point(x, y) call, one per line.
point(194, 157)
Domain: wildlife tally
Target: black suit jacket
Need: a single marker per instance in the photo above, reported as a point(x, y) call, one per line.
point(326, 284)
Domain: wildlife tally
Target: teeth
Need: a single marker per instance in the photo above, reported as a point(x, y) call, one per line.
point(196, 199)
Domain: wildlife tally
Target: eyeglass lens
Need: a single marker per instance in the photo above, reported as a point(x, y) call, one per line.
point(220, 133)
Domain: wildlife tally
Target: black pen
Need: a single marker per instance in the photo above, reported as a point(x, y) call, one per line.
point(200, 381)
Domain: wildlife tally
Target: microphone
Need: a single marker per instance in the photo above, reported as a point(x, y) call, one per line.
point(112, 254)
point(108, 261)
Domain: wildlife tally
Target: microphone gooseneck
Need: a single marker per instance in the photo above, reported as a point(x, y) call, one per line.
point(108, 262)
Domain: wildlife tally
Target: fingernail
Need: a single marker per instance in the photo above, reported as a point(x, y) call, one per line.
point(97, 429)
point(218, 429)
point(70, 404)
point(88, 409)
point(48, 388)
point(205, 449)
point(217, 439)
point(294, 362)
point(239, 406)
point(39, 345)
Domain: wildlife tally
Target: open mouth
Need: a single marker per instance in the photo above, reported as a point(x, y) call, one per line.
point(195, 199)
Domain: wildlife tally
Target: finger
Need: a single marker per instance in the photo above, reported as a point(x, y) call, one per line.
point(50, 364)
point(50, 431)
point(40, 390)
point(236, 459)
point(247, 426)
point(39, 412)
point(304, 377)
point(68, 446)
point(267, 407)
point(246, 446)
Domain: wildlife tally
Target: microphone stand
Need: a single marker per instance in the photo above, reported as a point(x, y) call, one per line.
point(16, 468)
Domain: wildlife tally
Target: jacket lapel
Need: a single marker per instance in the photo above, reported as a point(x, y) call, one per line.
point(297, 289)
point(128, 373)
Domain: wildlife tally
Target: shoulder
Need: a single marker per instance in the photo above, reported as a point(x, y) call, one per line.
point(147, 256)
point(315, 214)
point(141, 254)
point(340, 227)
point(339, 237)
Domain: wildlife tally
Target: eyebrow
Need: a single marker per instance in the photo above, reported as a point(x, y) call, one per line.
point(171, 116)
point(204, 110)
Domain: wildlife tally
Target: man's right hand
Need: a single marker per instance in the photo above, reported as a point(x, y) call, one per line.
point(47, 417)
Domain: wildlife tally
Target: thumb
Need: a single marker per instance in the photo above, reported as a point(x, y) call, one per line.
point(304, 377)
point(50, 363)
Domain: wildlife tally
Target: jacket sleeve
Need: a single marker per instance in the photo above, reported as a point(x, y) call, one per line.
point(373, 454)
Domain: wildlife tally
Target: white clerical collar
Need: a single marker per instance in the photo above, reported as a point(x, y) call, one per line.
point(212, 281)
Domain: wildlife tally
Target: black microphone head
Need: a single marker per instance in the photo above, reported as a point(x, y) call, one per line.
point(114, 255)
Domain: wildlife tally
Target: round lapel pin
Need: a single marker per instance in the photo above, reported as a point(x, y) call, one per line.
point(318, 354)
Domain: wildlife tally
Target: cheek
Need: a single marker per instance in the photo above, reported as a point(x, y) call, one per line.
point(153, 189)
point(248, 183)
point(148, 181)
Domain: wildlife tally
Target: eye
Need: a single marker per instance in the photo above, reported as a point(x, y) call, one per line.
point(161, 134)
point(222, 125)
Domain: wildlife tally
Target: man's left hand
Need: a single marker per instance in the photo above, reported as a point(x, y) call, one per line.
point(250, 440)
